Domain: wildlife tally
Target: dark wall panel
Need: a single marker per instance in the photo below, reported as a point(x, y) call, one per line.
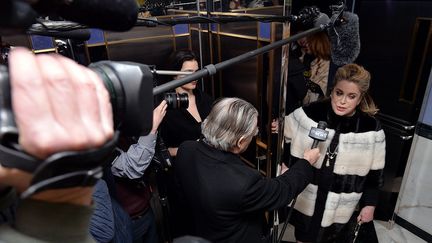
point(240, 28)
point(17, 40)
point(182, 42)
point(207, 52)
point(386, 30)
point(241, 79)
point(139, 32)
point(148, 51)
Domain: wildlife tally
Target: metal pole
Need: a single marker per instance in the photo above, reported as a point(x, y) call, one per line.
point(281, 110)
point(173, 73)
point(200, 40)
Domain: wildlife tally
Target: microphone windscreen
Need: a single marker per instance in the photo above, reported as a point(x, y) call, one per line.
point(345, 40)
point(117, 15)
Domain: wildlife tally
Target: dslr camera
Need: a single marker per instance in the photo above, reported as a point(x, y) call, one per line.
point(173, 99)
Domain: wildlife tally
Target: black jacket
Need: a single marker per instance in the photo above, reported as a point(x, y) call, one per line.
point(227, 198)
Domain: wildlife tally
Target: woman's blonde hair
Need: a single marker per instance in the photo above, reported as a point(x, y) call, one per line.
point(360, 76)
point(228, 121)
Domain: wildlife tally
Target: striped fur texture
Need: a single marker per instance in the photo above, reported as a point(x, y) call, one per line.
point(359, 154)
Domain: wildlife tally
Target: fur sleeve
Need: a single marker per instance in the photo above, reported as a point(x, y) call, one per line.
point(379, 151)
point(289, 124)
point(375, 177)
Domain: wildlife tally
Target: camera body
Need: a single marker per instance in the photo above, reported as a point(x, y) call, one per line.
point(174, 100)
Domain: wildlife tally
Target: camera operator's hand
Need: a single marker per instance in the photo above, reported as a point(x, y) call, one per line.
point(158, 115)
point(58, 106)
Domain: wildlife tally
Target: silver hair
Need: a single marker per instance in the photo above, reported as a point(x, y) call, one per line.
point(229, 120)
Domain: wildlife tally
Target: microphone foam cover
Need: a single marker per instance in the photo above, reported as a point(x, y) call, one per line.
point(345, 40)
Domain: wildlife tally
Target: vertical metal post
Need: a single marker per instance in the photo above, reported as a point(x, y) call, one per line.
point(281, 111)
point(200, 41)
point(283, 83)
point(209, 6)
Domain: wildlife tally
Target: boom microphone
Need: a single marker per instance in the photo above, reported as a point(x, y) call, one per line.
point(117, 15)
point(318, 134)
point(342, 29)
point(345, 39)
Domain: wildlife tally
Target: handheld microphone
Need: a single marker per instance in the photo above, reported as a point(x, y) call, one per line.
point(318, 134)
point(117, 15)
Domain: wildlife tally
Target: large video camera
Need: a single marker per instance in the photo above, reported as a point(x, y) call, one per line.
point(130, 86)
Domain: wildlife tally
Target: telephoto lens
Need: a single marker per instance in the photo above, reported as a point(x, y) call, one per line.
point(130, 86)
point(176, 101)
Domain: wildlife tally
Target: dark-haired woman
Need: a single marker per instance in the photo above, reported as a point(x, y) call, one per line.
point(181, 125)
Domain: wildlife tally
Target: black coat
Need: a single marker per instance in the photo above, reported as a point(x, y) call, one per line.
point(227, 199)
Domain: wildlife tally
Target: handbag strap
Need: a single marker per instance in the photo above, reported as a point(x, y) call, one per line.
point(356, 231)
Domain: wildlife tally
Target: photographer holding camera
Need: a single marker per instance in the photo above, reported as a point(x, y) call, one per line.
point(129, 190)
point(58, 106)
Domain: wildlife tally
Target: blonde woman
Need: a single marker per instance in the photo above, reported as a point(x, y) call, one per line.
point(350, 171)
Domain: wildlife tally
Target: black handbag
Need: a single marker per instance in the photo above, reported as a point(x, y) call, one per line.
point(355, 232)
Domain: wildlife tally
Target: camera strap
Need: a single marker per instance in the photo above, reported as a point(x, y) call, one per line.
point(60, 170)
